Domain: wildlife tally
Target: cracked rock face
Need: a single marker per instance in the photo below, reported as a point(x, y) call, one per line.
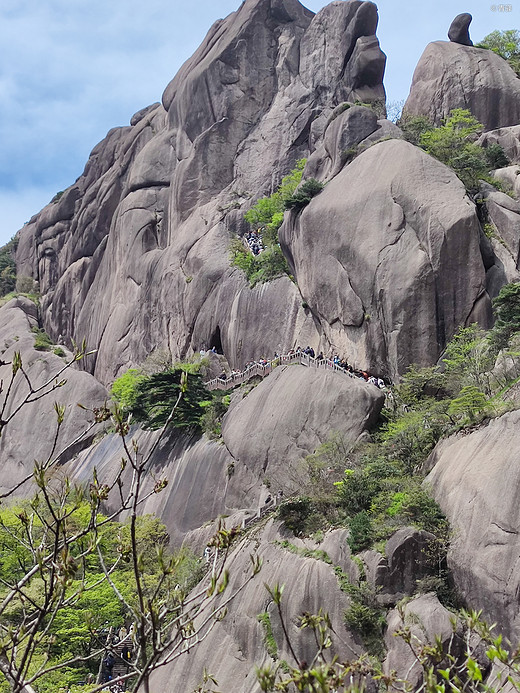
point(387, 256)
point(234, 649)
point(451, 75)
point(272, 438)
point(134, 256)
point(472, 479)
point(22, 442)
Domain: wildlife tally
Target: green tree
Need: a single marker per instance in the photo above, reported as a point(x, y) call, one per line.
point(266, 217)
point(303, 195)
point(506, 44)
point(414, 127)
point(157, 394)
point(453, 144)
point(124, 388)
point(467, 359)
point(7, 267)
point(269, 210)
point(470, 403)
point(507, 315)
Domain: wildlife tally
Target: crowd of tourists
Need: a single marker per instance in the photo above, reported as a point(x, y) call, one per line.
point(332, 359)
point(117, 657)
point(255, 243)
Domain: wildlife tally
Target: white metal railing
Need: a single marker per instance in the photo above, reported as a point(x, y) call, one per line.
point(264, 369)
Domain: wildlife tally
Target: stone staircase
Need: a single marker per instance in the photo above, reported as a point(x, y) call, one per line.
point(262, 370)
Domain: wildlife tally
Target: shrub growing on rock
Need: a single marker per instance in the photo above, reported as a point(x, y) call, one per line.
point(507, 313)
point(157, 395)
point(304, 194)
point(454, 144)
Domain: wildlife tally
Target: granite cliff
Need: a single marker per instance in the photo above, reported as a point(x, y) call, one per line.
point(386, 263)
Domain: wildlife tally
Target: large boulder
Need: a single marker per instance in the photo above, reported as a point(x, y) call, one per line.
point(450, 75)
point(504, 213)
point(290, 413)
point(387, 257)
point(407, 559)
point(508, 138)
point(427, 620)
point(459, 29)
point(236, 647)
point(474, 479)
point(510, 177)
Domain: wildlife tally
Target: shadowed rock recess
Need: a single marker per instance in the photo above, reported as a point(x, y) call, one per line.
point(385, 263)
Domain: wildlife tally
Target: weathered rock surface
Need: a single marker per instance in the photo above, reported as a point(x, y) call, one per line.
point(240, 636)
point(473, 480)
point(459, 29)
point(265, 435)
point(134, 256)
point(22, 442)
point(387, 257)
point(508, 138)
point(450, 75)
point(407, 559)
point(290, 413)
point(204, 481)
point(504, 213)
point(427, 619)
point(509, 175)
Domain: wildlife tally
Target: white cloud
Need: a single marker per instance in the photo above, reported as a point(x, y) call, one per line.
point(18, 206)
point(73, 69)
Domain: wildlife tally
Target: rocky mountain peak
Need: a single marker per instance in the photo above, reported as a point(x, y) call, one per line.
point(455, 74)
point(158, 199)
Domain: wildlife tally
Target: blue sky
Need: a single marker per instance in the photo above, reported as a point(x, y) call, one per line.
point(72, 69)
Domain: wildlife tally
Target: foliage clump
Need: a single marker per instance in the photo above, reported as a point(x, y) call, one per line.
point(268, 265)
point(87, 601)
point(150, 395)
point(214, 410)
point(304, 194)
point(506, 44)
point(507, 315)
point(42, 341)
point(150, 399)
point(8, 267)
point(266, 217)
point(454, 144)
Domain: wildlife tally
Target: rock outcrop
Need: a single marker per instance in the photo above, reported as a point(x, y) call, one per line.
point(407, 560)
point(508, 138)
point(387, 257)
point(504, 213)
point(472, 480)
point(134, 256)
point(427, 620)
point(241, 636)
point(459, 29)
point(22, 443)
point(290, 413)
point(451, 75)
point(264, 437)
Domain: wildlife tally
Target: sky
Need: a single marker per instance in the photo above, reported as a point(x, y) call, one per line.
point(70, 70)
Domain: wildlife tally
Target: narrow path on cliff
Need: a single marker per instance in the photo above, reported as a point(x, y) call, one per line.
point(264, 367)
